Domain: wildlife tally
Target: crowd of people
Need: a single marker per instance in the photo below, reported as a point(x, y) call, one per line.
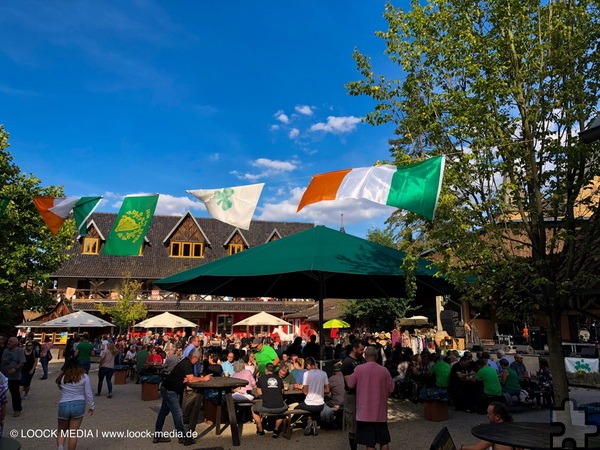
point(283, 375)
point(468, 383)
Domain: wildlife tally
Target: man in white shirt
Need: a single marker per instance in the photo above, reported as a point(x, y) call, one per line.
point(315, 386)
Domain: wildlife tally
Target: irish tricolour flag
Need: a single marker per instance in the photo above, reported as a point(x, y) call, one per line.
point(414, 187)
point(55, 210)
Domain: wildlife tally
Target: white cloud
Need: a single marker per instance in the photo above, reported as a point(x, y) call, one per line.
point(279, 166)
point(337, 125)
point(282, 117)
point(294, 132)
point(268, 167)
point(169, 205)
point(304, 109)
point(214, 157)
point(274, 127)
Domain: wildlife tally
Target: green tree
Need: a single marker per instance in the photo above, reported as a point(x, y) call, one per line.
point(128, 309)
point(381, 311)
point(501, 87)
point(30, 254)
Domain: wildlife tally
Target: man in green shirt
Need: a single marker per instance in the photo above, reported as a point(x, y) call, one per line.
point(492, 390)
point(84, 352)
point(441, 372)
point(264, 355)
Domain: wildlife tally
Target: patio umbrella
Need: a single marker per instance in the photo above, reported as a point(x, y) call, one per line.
point(318, 263)
point(262, 318)
point(165, 320)
point(79, 319)
point(414, 320)
point(336, 323)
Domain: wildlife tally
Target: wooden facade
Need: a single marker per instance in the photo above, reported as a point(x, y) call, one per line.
point(173, 244)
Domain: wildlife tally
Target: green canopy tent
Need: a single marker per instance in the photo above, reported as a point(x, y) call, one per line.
point(318, 263)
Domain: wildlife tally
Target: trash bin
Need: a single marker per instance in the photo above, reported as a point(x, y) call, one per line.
point(121, 374)
point(150, 387)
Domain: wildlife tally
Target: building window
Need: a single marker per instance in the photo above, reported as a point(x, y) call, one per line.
point(235, 248)
point(224, 325)
point(187, 249)
point(91, 246)
point(261, 329)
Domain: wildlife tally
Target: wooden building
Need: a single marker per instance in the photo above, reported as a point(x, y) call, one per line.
point(173, 244)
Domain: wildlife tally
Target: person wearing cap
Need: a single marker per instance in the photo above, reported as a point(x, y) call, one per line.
point(264, 355)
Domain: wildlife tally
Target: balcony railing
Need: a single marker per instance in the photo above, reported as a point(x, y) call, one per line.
point(93, 295)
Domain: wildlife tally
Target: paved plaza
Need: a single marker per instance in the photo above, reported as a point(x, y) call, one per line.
point(127, 413)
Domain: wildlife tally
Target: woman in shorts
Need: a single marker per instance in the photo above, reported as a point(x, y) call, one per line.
point(76, 390)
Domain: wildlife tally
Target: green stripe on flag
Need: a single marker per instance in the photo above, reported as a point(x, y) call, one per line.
point(82, 210)
point(131, 225)
point(416, 187)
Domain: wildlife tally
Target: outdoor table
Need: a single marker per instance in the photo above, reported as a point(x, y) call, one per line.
point(223, 384)
point(154, 367)
point(530, 435)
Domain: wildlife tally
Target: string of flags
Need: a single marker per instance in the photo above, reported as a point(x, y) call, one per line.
point(414, 187)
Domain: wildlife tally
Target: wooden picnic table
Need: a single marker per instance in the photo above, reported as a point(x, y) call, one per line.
point(223, 385)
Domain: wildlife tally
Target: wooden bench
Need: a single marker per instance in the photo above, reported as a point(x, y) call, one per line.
point(287, 419)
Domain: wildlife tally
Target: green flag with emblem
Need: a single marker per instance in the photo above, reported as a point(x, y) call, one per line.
point(131, 225)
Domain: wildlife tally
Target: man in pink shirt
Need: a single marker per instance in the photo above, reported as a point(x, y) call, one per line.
point(373, 385)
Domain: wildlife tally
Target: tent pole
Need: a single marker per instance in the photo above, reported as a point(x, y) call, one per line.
point(321, 338)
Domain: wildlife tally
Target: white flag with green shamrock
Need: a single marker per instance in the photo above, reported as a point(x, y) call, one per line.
point(234, 205)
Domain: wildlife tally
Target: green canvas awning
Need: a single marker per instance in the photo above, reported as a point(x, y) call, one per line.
point(317, 263)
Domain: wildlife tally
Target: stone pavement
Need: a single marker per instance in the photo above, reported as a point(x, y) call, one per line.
point(127, 413)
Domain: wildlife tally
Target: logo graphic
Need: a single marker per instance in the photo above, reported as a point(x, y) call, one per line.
point(224, 199)
point(132, 225)
point(575, 428)
point(582, 365)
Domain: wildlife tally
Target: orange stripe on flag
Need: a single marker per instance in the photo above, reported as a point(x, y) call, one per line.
point(323, 187)
point(43, 205)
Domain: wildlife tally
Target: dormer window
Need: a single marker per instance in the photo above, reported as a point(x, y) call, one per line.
point(91, 246)
point(187, 249)
point(235, 248)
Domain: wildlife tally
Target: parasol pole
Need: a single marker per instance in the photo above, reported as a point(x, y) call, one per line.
point(321, 341)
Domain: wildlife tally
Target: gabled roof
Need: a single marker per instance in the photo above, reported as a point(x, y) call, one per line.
point(187, 214)
point(91, 223)
point(273, 234)
point(155, 262)
point(233, 233)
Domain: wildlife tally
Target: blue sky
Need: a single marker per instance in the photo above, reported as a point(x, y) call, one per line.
point(114, 98)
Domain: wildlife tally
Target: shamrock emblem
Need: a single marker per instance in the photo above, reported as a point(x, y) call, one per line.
point(581, 365)
point(223, 198)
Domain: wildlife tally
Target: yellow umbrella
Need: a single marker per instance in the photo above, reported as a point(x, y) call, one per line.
point(336, 323)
